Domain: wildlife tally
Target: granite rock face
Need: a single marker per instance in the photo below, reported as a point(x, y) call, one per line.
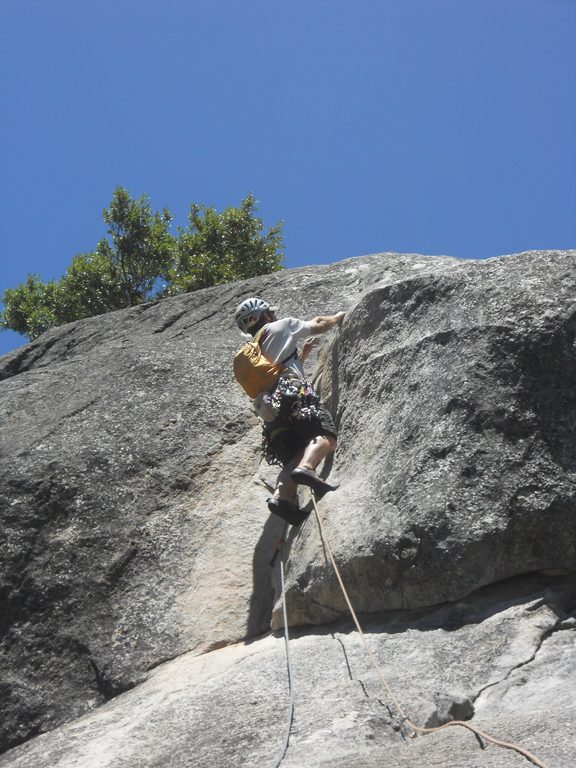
point(455, 396)
point(503, 659)
point(135, 530)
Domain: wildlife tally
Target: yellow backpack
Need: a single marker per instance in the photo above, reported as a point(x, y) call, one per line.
point(253, 371)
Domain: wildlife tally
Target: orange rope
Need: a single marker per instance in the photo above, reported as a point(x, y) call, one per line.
point(405, 719)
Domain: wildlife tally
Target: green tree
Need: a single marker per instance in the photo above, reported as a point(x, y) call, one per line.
point(141, 260)
point(142, 248)
point(29, 308)
point(123, 271)
point(221, 247)
point(92, 285)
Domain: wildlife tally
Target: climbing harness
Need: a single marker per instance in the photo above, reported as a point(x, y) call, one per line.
point(292, 401)
point(296, 399)
point(405, 721)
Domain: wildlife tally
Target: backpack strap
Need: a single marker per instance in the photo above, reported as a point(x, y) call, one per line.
point(293, 355)
point(259, 335)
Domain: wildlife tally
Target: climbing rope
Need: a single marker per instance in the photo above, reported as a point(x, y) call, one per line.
point(405, 720)
point(284, 749)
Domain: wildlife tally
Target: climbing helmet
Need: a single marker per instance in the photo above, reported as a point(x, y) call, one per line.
point(249, 311)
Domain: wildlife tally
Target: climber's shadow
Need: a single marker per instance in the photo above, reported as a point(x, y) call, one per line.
point(262, 597)
point(265, 568)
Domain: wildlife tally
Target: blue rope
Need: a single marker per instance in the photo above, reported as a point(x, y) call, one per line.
point(287, 646)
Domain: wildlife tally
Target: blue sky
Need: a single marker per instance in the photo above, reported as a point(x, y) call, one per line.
point(423, 126)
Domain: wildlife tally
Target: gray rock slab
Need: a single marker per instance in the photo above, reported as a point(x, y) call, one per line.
point(132, 510)
point(455, 397)
point(503, 660)
point(132, 492)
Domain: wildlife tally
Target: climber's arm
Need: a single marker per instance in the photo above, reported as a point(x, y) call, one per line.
point(322, 324)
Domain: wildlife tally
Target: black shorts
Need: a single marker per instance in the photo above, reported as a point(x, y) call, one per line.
point(286, 436)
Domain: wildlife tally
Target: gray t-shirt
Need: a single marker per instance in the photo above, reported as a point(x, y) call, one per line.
point(280, 341)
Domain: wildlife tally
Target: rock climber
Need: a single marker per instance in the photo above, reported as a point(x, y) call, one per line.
point(299, 432)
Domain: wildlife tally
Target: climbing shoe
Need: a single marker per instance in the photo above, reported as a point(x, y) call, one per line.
point(308, 477)
point(286, 510)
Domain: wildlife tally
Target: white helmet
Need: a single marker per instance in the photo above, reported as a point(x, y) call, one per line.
point(249, 311)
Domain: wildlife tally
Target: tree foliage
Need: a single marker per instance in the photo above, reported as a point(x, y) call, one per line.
point(218, 248)
point(142, 248)
point(141, 260)
point(29, 308)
